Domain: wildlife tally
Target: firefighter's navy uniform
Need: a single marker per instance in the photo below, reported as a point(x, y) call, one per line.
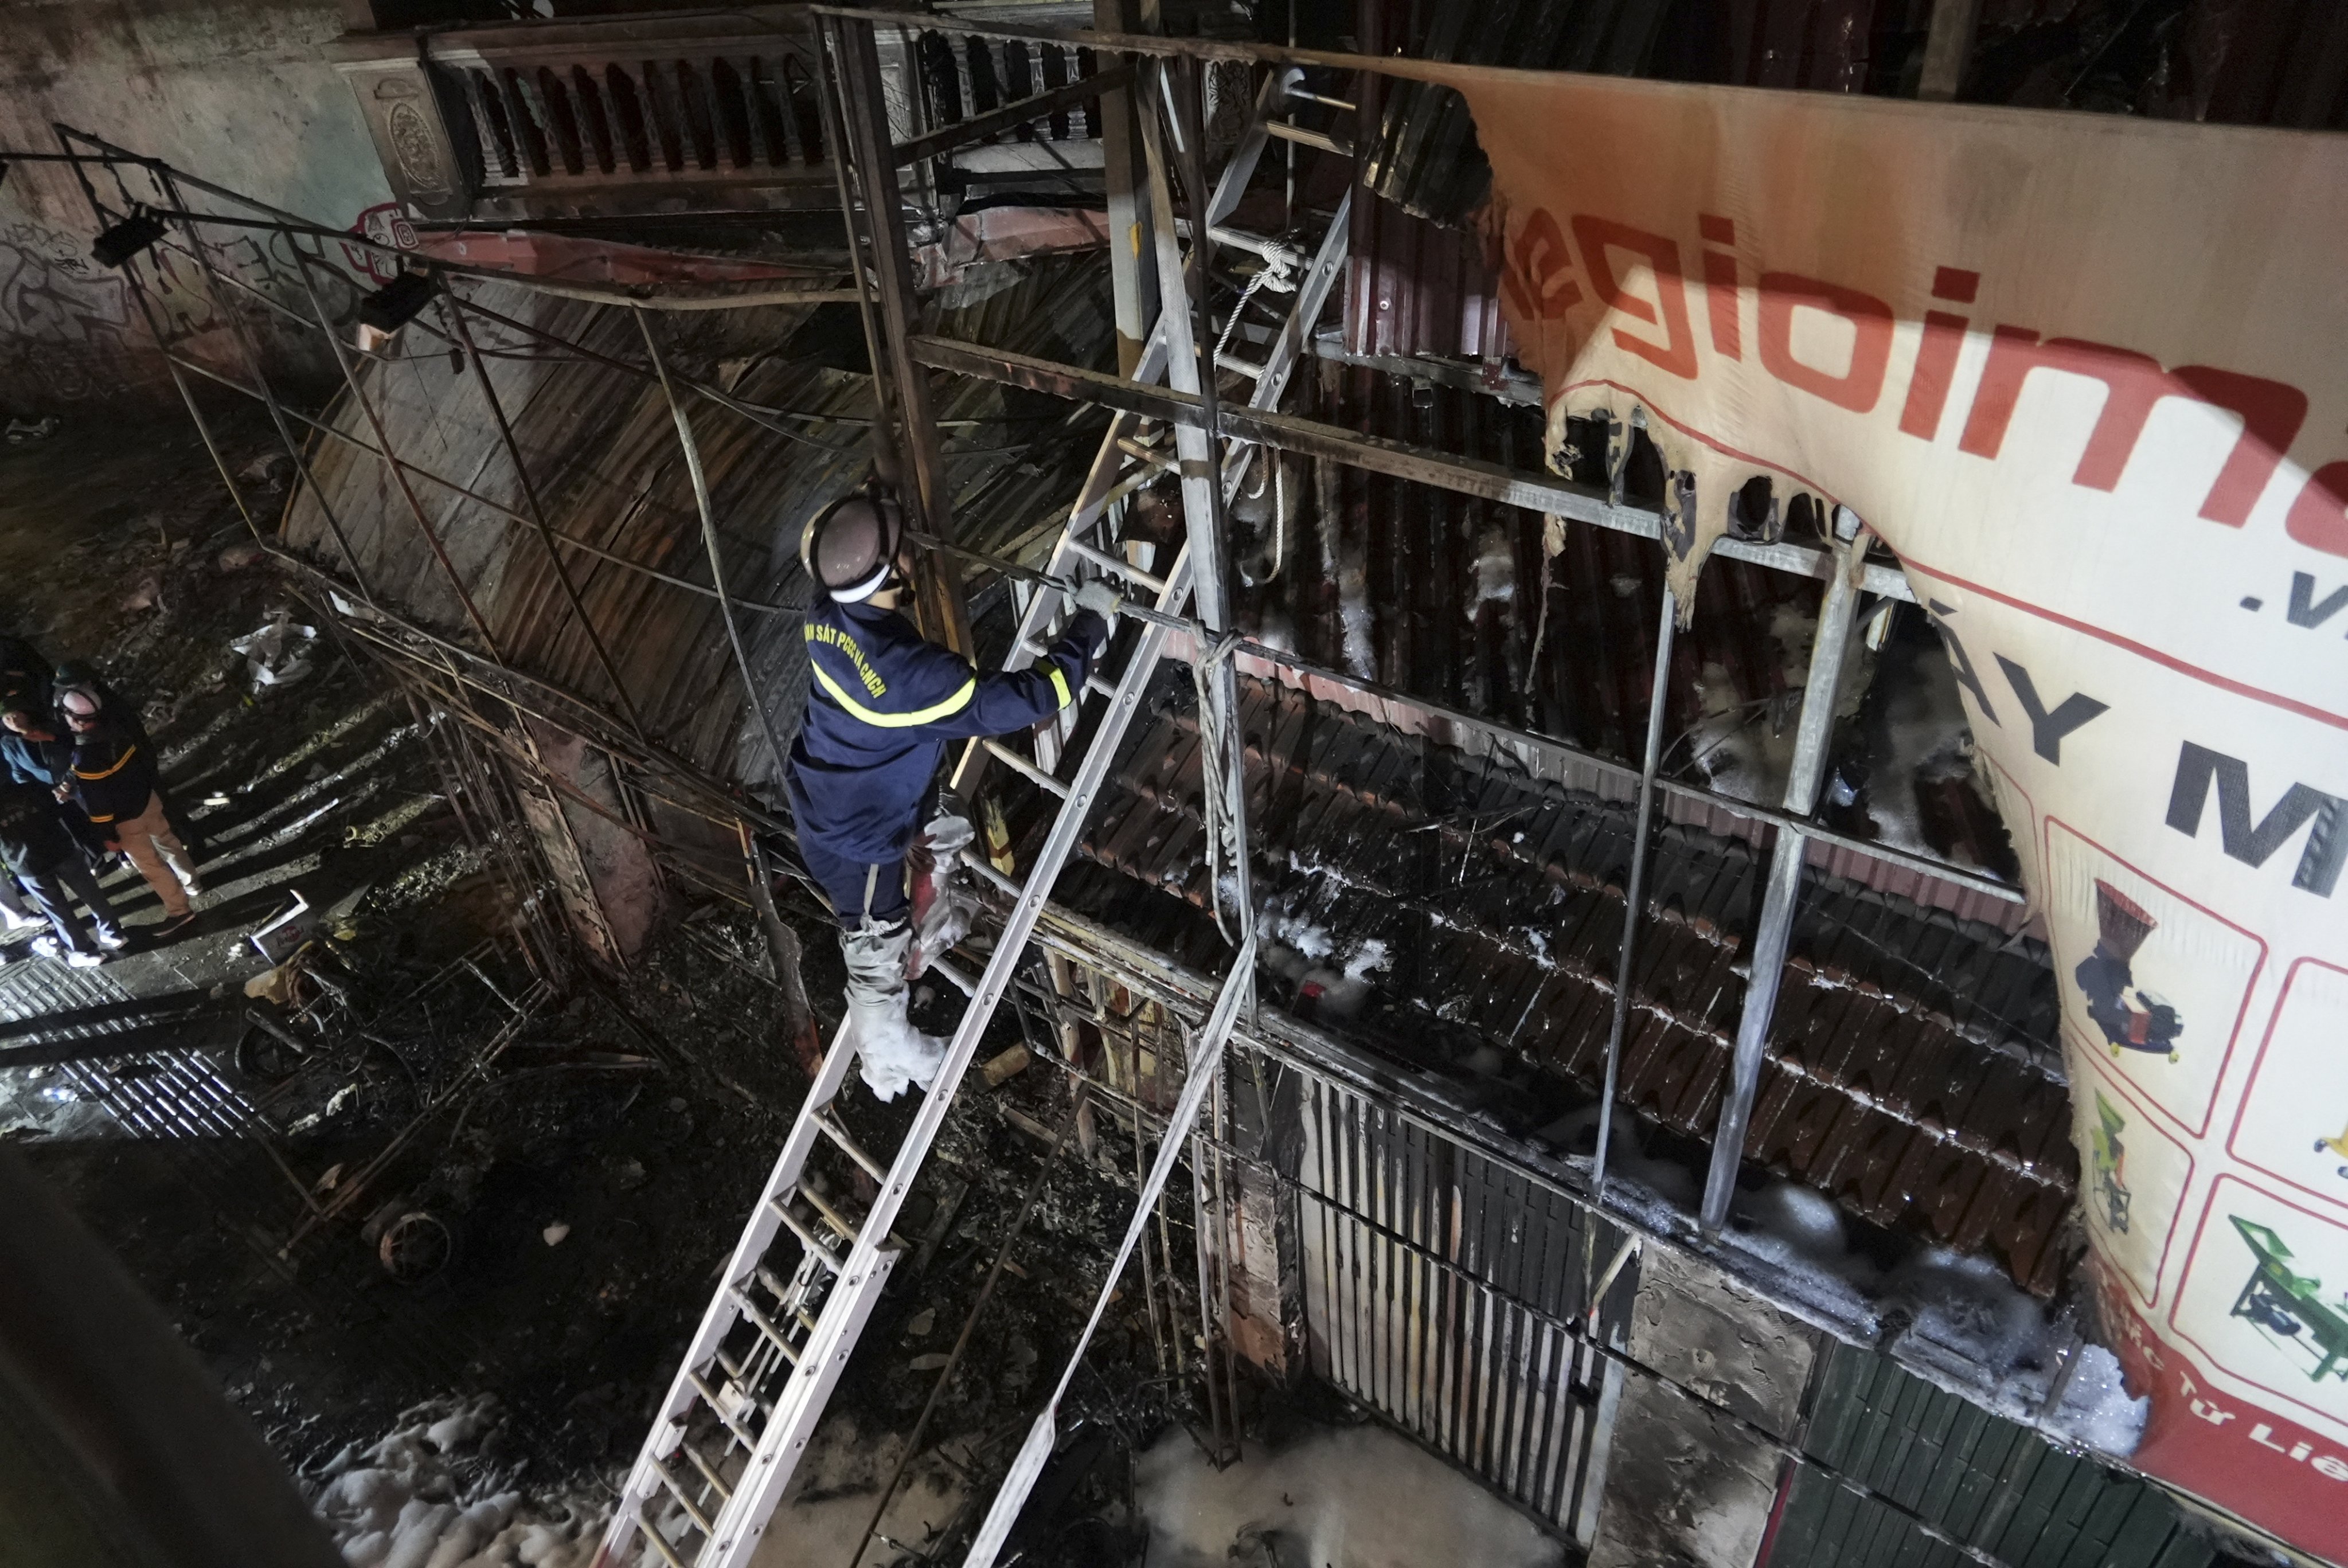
point(881, 704)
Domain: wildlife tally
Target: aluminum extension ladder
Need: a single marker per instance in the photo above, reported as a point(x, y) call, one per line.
point(777, 1336)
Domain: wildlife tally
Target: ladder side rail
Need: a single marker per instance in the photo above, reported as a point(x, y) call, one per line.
point(744, 1517)
point(719, 1319)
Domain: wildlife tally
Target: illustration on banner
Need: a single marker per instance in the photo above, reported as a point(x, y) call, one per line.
point(2288, 1304)
point(2131, 1017)
point(2110, 1156)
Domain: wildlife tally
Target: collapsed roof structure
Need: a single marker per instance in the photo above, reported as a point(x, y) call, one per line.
point(1505, 943)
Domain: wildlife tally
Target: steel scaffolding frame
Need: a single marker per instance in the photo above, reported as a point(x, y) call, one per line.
point(1157, 89)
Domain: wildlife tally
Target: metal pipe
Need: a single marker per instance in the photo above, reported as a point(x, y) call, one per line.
point(1548, 746)
point(884, 457)
point(939, 608)
point(1776, 926)
point(1634, 893)
point(750, 692)
point(1372, 454)
point(640, 295)
point(407, 492)
point(250, 353)
point(493, 505)
point(538, 511)
point(969, 1325)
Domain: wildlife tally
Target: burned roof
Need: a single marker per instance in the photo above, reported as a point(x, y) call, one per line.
point(1460, 915)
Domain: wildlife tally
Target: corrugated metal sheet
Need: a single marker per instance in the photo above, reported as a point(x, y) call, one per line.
point(1997, 1487)
point(603, 452)
point(1416, 287)
point(1445, 597)
point(1910, 1073)
point(1437, 1291)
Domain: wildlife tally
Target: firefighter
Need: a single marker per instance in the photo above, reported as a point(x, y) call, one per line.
point(881, 704)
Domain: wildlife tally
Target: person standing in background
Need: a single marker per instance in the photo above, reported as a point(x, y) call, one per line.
point(41, 856)
point(113, 779)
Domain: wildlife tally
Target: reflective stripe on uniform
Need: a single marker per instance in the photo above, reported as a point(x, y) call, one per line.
point(109, 772)
point(1060, 685)
point(946, 710)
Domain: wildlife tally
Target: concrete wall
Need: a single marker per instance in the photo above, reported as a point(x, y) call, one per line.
point(1686, 1485)
point(238, 92)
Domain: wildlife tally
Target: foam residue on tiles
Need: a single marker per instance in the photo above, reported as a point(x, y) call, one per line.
point(433, 1494)
point(2095, 1410)
point(1353, 1497)
point(821, 1522)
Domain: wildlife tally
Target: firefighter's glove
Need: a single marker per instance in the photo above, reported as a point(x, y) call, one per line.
point(1101, 599)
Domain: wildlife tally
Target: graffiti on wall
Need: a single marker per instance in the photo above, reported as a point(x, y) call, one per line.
point(69, 329)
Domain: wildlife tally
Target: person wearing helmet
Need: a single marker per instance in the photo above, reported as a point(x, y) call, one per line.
point(112, 777)
point(881, 704)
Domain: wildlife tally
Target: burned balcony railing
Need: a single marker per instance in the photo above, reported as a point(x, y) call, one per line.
point(675, 112)
point(962, 77)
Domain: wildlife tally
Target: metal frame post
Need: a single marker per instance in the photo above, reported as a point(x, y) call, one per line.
point(691, 448)
point(455, 311)
point(246, 349)
point(1133, 276)
point(383, 440)
point(1776, 929)
point(862, 100)
point(1634, 895)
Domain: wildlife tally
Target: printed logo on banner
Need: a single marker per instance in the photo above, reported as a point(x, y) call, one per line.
point(2133, 1189)
point(2121, 508)
point(2265, 1298)
point(2294, 1120)
point(2162, 989)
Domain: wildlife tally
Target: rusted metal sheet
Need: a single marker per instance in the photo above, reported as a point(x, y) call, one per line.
point(1440, 1290)
point(1416, 287)
point(1910, 1073)
point(602, 449)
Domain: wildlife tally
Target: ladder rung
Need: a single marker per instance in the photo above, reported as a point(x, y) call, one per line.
point(1119, 565)
point(1020, 765)
point(1270, 250)
point(986, 872)
point(838, 1221)
point(660, 1543)
point(1303, 137)
point(1151, 455)
point(708, 1472)
point(966, 984)
point(1100, 686)
point(1320, 98)
point(1247, 367)
point(805, 1233)
point(676, 1490)
point(766, 1326)
point(709, 1397)
point(850, 1146)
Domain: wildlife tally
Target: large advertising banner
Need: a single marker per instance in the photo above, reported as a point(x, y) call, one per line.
point(2087, 376)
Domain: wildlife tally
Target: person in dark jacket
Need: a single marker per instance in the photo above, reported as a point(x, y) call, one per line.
point(881, 704)
point(35, 749)
point(79, 675)
point(42, 856)
point(113, 779)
